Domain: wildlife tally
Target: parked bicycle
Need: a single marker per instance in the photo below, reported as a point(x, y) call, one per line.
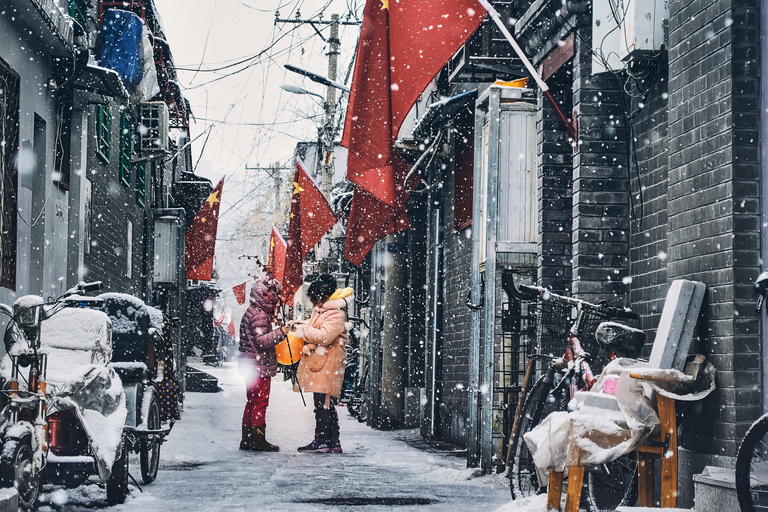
point(609, 485)
point(356, 374)
point(752, 458)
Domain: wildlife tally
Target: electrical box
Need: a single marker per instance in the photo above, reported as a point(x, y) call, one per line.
point(517, 205)
point(166, 265)
point(623, 30)
point(153, 127)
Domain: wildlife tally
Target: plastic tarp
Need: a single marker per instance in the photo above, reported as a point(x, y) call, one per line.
point(125, 47)
point(79, 346)
point(600, 427)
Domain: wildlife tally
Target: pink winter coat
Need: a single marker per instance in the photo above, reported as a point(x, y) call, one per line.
point(321, 369)
point(257, 338)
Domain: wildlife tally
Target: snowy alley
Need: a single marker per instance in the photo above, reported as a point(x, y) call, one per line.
point(201, 468)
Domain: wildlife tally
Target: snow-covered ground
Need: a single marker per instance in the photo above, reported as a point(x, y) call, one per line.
point(201, 468)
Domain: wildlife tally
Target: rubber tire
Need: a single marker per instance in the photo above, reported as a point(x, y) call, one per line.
point(618, 486)
point(150, 457)
point(16, 456)
point(117, 484)
point(744, 459)
point(523, 481)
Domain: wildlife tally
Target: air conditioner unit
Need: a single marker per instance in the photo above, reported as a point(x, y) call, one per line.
point(153, 127)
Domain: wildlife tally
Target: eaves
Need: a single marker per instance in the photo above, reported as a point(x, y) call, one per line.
point(47, 23)
point(546, 22)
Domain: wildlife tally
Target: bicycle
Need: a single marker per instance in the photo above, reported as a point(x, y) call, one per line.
point(752, 457)
point(609, 485)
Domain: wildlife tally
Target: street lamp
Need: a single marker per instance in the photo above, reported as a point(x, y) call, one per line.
point(298, 90)
point(317, 78)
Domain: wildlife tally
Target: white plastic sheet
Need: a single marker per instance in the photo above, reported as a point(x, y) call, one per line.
point(587, 435)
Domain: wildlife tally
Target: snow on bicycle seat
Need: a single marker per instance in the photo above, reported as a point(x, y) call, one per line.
point(76, 340)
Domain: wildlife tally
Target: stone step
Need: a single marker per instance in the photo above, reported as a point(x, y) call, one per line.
point(650, 509)
point(9, 500)
point(715, 489)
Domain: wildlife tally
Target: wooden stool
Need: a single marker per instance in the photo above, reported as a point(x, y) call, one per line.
point(663, 446)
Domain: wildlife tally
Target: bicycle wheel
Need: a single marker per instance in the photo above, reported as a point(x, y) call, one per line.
point(612, 485)
point(523, 479)
point(752, 468)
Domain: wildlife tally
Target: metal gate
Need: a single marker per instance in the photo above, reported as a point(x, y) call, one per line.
point(515, 328)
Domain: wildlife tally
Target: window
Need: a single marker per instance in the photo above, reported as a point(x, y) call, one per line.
point(78, 11)
point(103, 131)
point(464, 166)
point(125, 147)
point(9, 144)
point(141, 183)
point(129, 251)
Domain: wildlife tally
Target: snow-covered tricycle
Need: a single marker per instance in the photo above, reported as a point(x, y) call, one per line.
point(64, 416)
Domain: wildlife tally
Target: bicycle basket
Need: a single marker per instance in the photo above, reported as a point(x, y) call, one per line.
point(553, 322)
point(590, 319)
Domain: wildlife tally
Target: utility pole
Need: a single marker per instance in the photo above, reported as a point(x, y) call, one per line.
point(330, 107)
point(326, 132)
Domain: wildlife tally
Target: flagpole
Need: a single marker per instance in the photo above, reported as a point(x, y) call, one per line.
point(527, 63)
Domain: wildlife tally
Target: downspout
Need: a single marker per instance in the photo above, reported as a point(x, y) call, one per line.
point(763, 181)
point(434, 331)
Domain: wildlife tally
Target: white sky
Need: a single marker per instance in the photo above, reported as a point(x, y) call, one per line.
point(247, 119)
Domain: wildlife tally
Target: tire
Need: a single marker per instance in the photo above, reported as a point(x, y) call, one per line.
point(615, 484)
point(523, 480)
point(117, 484)
point(16, 471)
point(149, 454)
point(751, 466)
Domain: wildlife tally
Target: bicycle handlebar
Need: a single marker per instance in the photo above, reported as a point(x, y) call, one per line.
point(541, 293)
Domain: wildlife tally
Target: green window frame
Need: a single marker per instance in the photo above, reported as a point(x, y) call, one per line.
point(125, 147)
point(141, 183)
point(78, 11)
point(103, 131)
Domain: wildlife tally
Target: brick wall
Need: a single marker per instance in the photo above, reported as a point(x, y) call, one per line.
point(600, 183)
point(554, 187)
point(713, 196)
point(648, 168)
point(113, 205)
point(454, 350)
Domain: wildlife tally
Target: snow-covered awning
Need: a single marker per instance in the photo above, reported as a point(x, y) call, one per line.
point(101, 81)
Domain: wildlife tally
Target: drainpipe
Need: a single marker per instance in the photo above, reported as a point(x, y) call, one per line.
point(764, 180)
point(475, 296)
point(434, 312)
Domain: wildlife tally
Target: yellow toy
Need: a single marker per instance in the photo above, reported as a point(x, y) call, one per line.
point(286, 356)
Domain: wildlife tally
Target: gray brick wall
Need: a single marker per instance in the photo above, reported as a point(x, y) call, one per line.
point(555, 163)
point(649, 170)
point(454, 350)
point(600, 183)
point(713, 200)
point(114, 204)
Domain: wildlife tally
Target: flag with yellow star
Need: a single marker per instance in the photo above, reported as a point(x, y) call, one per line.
point(200, 237)
point(276, 258)
point(403, 45)
point(311, 218)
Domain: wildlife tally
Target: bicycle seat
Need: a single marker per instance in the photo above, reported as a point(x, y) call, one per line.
point(624, 340)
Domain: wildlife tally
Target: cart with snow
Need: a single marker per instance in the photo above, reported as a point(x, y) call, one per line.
point(135, 329)
point(62, 406)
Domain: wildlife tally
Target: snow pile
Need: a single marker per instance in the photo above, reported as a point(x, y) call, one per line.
point(155, 317)
point(79, 329)
point(27, 301)
point(530, 504)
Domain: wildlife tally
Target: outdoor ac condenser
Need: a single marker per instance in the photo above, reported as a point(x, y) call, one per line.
point(153, 128)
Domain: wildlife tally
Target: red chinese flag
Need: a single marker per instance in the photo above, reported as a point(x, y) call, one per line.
point(276, 259)
point(239, 292)
point(200, 238)
point(311, 218)
point(403, 45)
point(231, 329)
